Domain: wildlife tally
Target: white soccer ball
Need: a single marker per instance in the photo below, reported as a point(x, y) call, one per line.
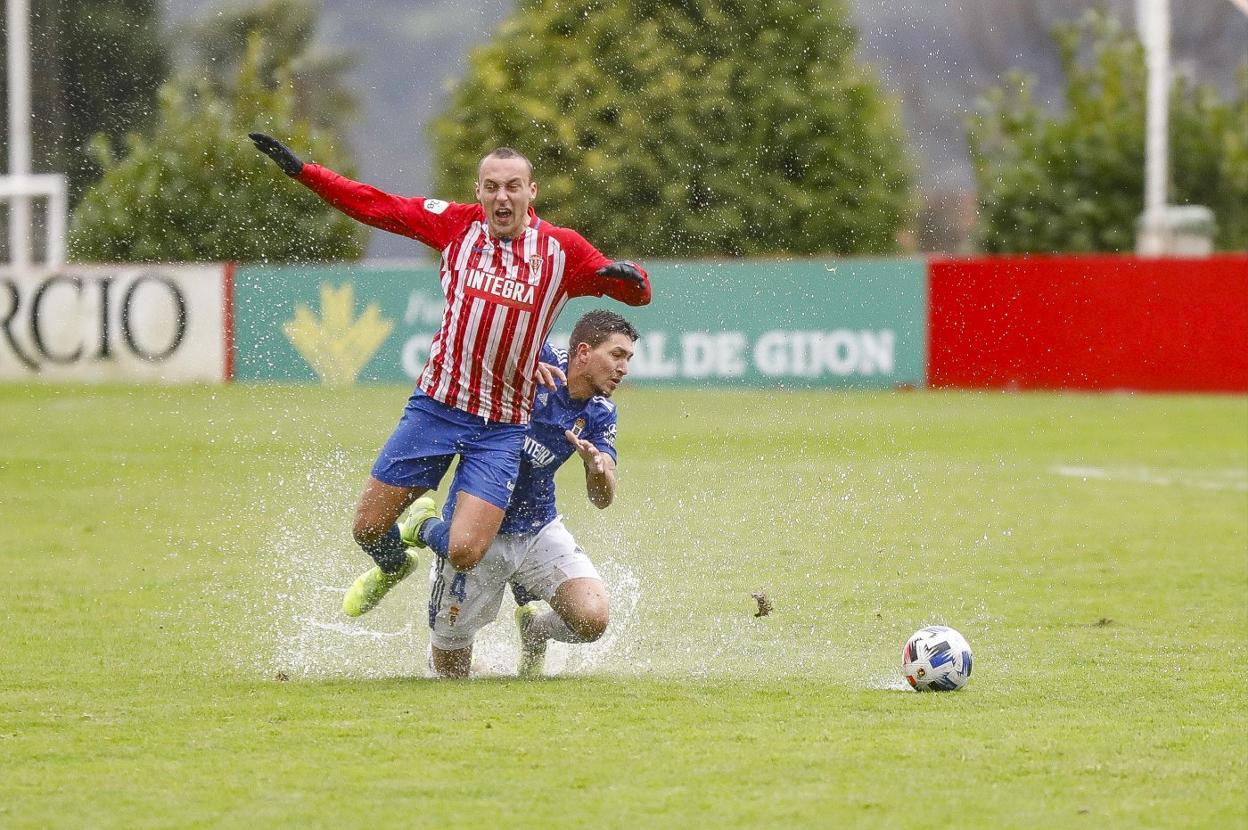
point(936, 659)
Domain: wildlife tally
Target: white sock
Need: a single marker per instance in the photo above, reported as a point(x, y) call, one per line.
point(550, 626)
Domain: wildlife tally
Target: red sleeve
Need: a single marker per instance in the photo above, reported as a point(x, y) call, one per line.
point(432, 221)
point(583, 262)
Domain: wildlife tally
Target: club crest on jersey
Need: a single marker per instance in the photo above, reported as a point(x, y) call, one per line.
point(542, 397)
point(578, 426)
point(535, 269)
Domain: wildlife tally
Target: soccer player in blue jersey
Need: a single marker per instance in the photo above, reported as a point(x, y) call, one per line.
point(533, 550)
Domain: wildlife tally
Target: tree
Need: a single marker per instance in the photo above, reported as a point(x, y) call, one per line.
point(217, 45)
point(688, 127)
point(1074, 180)
point(195, 189)
point(95, 68)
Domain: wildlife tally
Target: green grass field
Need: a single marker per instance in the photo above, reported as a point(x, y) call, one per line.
point(173, 560)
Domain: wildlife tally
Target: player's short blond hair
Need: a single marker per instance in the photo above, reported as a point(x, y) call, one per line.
point(506, 153)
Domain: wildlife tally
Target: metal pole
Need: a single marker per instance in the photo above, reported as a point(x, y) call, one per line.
point(18, 20)
point(58, 209)
point(1156, 166)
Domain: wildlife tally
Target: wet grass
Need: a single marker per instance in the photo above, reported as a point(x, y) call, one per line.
point(169, 554)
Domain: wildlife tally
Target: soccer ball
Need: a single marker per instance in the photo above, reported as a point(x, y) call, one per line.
point(936, 659)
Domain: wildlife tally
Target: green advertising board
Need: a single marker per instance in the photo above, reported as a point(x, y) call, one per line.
point(338, 324)
point(839, 323)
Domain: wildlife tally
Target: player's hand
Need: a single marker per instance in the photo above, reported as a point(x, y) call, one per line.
point(594, 458)
point(547, 373)
point(622, 270)
point(279, 152)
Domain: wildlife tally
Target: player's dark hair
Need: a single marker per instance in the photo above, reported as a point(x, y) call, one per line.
point(596, 326)
point(508, 153)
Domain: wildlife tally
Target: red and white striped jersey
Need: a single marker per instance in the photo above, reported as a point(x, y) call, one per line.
point(502, 296)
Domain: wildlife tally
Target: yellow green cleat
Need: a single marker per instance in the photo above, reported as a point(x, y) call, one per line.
point(409, 526)
point(372, 586)
point(532, 649)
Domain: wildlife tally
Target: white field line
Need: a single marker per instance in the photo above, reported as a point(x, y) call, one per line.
point(1227, 479)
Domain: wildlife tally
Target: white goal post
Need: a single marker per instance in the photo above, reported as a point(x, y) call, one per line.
point(21, 187)
point(19, 192)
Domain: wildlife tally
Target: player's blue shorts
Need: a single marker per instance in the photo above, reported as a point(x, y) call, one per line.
point(429, 436)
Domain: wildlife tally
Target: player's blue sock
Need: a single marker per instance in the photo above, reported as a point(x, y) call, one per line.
point(436, 533)
point(388, 552)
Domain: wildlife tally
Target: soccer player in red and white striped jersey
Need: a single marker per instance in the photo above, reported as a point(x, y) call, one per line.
point(506, 275)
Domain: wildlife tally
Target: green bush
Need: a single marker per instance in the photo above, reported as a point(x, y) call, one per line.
point(1074, 180)
point(195, 189)
point(685, 128)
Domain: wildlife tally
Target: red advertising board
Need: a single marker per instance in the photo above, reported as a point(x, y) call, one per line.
point(1089, 322)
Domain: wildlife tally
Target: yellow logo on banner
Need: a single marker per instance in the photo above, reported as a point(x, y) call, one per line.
point(338, 344)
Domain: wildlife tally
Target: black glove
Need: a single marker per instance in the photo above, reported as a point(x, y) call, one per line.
point(279, 152)
point(622, 270)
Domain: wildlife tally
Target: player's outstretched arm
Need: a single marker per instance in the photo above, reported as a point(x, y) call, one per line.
point(593, 275)
point(599, 471)
point(429, 220)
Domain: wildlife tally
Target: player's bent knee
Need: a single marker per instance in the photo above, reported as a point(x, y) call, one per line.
point(466, 549)
point(465, 557)
point(584, 606)
point(591, 628)
point(589, 621)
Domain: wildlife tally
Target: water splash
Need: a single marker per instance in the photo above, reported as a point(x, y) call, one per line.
point(302, 632)
point(306, 634)
point(671, 616)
